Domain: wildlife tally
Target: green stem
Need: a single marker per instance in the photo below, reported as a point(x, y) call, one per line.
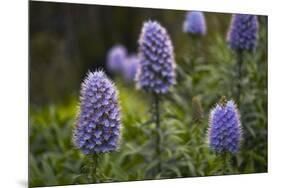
point(239, 75)
point(225, 166)
point(196, 42)
point(194, 51)
point(94, 168)
point(158, 129)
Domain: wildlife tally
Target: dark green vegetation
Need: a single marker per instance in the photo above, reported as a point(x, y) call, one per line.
point(205, 69)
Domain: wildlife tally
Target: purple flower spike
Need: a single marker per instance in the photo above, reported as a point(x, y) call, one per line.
point(130, 68)
point(157, 63)
point(224, 128)
point(115, 58)
point(243, 32)
point(98, 123)
point(195, 23)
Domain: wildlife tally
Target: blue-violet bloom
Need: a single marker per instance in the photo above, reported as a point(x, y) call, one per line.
point(195, 23)
point(98, 123)
point(157, 62)
point(224, 134)
point(243, 32)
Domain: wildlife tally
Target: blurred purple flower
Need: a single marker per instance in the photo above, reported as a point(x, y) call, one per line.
point(157, 63)
point(98, 123)
point(243, 32)
point(130, 68)
point(224, 128)
point(115, 58)
point(195, 23)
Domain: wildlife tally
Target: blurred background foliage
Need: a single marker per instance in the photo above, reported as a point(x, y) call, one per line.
point(67, 40)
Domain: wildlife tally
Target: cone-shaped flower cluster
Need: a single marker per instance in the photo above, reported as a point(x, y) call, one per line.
point(157, 63)
point(130, 68)
point(243, 32)
point(115, 58)
point(195, 23)
point(224, 127)
point(98, 123)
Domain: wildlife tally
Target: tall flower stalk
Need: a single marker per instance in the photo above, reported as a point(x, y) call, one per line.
point(158, 129)
point(97, 130)
point(195, 26)
point(156, 72)
point(225, 132)
point(242, 36)
point(239, 76)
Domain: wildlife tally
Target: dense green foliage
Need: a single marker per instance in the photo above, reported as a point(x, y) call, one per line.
point(205, 70)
